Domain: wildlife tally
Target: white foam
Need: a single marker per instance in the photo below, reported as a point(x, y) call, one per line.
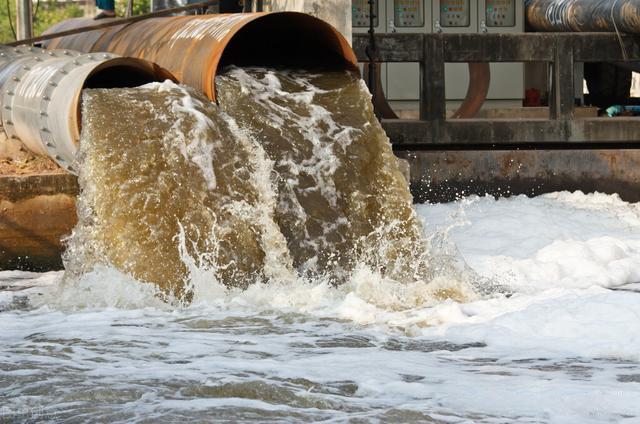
point(195, 145)
point(555, 351)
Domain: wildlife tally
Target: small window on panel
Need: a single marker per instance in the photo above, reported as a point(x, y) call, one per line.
point(360, 13)
point(500, 13)
point(455, 13)
point(408, 13)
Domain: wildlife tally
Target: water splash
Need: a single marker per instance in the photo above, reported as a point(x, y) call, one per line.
point(291, 181)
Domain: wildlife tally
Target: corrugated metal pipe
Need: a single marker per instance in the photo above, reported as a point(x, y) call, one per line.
point(41, 93)
point(194, 48)
point(583, 15)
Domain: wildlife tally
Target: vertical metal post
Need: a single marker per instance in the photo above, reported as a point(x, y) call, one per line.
point(433, 101)
point(562, 100)
point(24, 19)
point(371, 50)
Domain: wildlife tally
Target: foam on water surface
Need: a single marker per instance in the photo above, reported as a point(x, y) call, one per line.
point(261, 261)
point(545, 353)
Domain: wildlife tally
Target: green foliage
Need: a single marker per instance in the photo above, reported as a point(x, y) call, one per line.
point(47, 13)
point(139, 7)
point(6, 34)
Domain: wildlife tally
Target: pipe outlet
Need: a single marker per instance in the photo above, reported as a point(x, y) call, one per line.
point(41, 93)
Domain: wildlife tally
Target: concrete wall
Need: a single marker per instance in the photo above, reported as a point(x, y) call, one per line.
point(336, 12)
point(442, 176)
point(36, 212)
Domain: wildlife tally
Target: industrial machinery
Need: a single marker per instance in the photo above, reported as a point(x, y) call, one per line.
point(401, 80)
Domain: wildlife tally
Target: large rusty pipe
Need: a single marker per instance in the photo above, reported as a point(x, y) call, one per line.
point(583, 15)
point(41, 93)
point(479, 81)
point(195, 48)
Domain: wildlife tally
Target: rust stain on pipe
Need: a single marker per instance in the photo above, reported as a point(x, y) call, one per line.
point(194, 48)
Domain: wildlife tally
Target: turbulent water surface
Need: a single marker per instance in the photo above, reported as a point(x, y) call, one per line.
point(292, 177)
point(260, 260)
point(559, 344)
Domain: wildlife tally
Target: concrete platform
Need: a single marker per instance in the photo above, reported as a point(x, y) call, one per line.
point(36, 211)
point(446, 175)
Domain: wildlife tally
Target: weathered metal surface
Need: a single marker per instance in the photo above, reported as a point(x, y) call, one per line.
point(193, 48)
point(583, 15)
point(526, 47)
point(391, 47)
point(561, 50)
point(82, 42)
point(441, 176)
point(36, 212)
point(40, 94)
point(429, 51)
point(496, 132)
point(39, 101)
point(109, 22)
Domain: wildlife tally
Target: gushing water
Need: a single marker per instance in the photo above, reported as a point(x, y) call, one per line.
point(296, 284)
point(290, 177)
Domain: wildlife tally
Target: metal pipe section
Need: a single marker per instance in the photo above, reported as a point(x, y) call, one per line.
point(24, 19)
point(583, 15)
point(479, 81)
point(195, 48)
point(41, 94)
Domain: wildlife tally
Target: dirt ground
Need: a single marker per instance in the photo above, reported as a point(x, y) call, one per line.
point(15, 159)
point(30, 165)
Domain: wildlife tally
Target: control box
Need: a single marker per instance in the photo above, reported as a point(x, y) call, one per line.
point(408, 14)
point(402, 87)
point(500, 13)
point(360, 14)
point(454, 13)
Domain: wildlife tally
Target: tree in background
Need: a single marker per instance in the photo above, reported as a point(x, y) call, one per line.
point(139, 7)
point(47, 13)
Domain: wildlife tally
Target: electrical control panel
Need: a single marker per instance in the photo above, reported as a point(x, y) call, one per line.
point(500, 13)
point(360, 13)
point(401, 81)
point(408, 13)
point(455, 13)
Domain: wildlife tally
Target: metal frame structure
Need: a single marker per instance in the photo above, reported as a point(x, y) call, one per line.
point(561, 50)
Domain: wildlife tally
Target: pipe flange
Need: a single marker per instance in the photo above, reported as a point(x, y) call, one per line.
point(30, 57)
point(9, 88)
point(51, 85)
